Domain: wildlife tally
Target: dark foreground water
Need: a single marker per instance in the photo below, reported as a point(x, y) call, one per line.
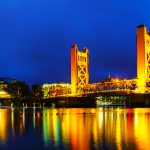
point(75, 128)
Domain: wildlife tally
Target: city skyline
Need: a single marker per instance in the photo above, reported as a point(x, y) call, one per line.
point(36, 38)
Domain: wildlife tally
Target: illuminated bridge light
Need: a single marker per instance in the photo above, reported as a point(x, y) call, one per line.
point(80, 74)
point(79, 69)
point(143, 59)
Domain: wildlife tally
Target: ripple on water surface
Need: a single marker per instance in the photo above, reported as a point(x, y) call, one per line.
point(75, 128)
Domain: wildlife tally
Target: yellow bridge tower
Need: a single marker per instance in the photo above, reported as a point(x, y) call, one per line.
point(143, 58)
point(79, 69)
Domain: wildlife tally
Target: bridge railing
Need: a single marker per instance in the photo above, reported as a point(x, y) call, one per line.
point(104, 86)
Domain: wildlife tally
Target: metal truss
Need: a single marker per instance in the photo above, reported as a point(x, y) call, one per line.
point(113, 85)
point(59, 92)
point(82, 77)
point(82, 73)
point(148, 70)
point(56, 91)
point(104, 86)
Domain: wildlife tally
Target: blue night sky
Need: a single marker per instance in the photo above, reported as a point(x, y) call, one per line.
point(36, 36)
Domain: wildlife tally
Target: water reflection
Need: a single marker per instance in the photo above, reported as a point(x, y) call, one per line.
point(99, 128)
point(12, 121)
point(3, 125)
point(142, 128)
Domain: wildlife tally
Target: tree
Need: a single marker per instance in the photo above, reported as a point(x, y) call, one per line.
point(37, 93)
point(19, 92)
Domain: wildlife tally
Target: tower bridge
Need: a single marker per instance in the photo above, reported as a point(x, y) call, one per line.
point(143, 58)
point(79, 69)
point(80, 75)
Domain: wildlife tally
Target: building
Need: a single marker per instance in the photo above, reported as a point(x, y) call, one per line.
point(3, 85)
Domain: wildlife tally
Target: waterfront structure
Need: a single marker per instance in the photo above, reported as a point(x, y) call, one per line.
point(79, 69)
point(56, 89)
point(80, 73)
point(143, 58)
point(3, 85)
point(4, 94)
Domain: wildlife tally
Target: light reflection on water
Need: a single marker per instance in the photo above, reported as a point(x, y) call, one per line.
point(75, 128)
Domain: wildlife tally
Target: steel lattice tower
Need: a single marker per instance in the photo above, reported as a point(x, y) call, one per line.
point(143, 58)
point(79, 69)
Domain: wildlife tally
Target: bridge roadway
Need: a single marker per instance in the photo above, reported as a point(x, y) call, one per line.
point(116, 97)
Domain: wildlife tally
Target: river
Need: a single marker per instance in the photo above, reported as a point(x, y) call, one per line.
point(75, 128)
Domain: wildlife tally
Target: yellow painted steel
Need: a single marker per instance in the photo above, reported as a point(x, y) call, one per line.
point(79, 69)
point(143, 58)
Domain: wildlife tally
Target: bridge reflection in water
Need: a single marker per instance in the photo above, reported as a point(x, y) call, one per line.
point(78, 128)
point(99, 128)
